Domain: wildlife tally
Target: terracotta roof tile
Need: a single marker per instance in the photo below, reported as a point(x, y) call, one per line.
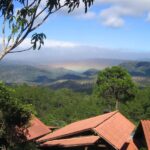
point(112, 127)
point(36, 129)
point(77, 127)
point(79, 141)
point(132, 146)
point(146, 130)
point(116, 130)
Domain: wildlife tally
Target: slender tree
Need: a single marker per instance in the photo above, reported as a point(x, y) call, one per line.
point(115, 83)
point(19, 18)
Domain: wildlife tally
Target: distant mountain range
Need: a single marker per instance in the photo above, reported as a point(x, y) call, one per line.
point(47, 73)
point(65, 78)
point(83, 65)
point(140, 71)
point(137, 68)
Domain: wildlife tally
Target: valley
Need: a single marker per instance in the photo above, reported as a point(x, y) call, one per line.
point(57, 78)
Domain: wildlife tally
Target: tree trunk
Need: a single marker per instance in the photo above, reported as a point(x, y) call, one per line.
point(117, 104)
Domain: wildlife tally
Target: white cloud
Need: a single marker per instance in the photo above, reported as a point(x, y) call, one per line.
point(88, 15)
point(115, 22)
point(114, 14)
point(55, 43)
point(78, 13)
point(48, 43)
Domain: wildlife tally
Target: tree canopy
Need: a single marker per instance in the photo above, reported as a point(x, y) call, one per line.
point(14, 116)
point(115, 83)
point(19, 18)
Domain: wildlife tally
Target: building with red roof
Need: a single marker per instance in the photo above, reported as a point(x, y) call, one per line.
point(110, 131)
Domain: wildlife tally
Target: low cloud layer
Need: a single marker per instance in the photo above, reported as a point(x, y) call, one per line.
point(61, 51)
point(49, 43)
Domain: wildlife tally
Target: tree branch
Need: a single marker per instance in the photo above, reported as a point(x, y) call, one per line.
point(45, 18)
point(21, 50)
point(31, 4)
point(29, 27)
point(3, 33)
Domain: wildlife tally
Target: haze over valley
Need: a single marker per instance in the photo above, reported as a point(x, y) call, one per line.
point(77, 75)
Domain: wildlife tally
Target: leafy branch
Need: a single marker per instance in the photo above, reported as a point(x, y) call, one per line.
point(20, 23)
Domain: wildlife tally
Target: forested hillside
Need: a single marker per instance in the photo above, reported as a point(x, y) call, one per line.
point(72, 96)
point(140, 71)
point(63, 106)
point(138, 68)
point(58, 78)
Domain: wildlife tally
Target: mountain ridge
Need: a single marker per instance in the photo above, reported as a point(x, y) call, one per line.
point(60, 77)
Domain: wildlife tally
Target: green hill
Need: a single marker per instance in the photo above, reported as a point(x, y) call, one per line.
point(138, 68)
point(20, 73)
point(140, 71)
point(63, 78)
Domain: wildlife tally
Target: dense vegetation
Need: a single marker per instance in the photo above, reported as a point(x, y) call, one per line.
point(14, 116)
point(63, 106)
point(60, 107)
point(56, 78)
point(115, 83)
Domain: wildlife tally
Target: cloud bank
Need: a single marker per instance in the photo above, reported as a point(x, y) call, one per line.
point(65, 50)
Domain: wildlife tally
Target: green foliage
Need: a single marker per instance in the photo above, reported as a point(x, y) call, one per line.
point(38, 38)
point(137, 68)
point(60, 107)
point(64, 106)
point(14, 116)
point(115, 83)
point(139, 108)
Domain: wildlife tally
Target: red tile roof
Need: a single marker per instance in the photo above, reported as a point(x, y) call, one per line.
point(77, 127)
point(72, 142)
point(36, 129)
point(116, 130)
point(131, 146)
point(112, 127)
point(146, 129)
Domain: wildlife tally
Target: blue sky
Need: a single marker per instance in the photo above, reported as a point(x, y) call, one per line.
point(113, 26)
point(133, 34)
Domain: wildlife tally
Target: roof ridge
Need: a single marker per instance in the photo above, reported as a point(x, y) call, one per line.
point(87, 129)
point(115, 112)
